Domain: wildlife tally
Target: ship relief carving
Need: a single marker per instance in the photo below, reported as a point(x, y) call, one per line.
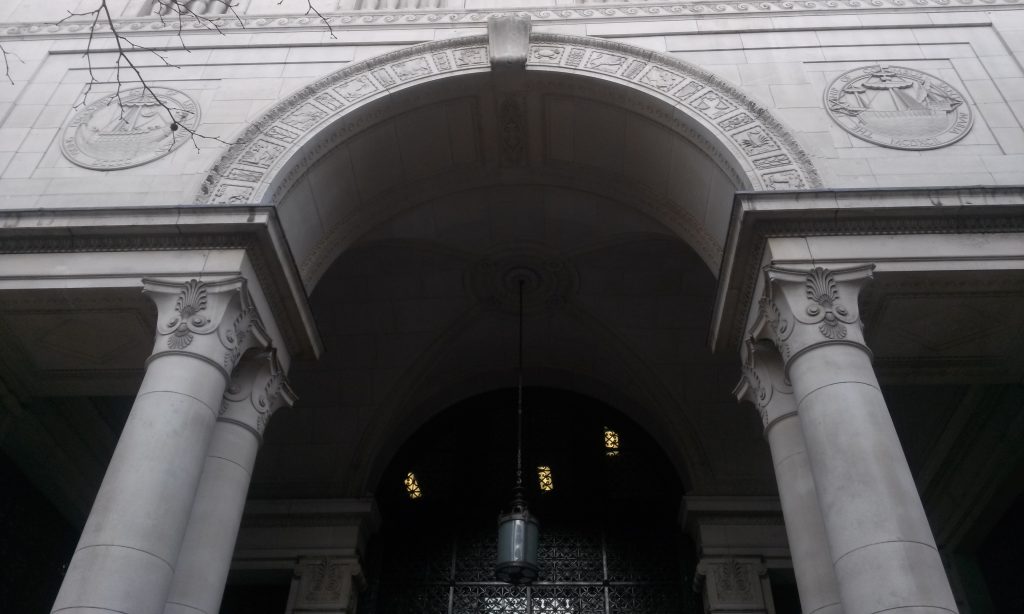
point(129, 128)
point(898, 107)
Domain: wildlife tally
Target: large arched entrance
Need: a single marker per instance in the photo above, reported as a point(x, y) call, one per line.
point(415, 189)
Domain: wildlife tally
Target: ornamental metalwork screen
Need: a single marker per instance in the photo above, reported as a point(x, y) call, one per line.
point(587, 570)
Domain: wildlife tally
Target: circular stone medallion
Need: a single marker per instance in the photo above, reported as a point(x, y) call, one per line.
point(898, 107)
point(114, 133)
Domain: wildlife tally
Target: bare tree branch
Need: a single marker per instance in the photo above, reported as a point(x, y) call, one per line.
point(126, 69)
point(312, 9)
point(7, 63)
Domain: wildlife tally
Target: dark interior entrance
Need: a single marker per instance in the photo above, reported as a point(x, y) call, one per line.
point(610, 541)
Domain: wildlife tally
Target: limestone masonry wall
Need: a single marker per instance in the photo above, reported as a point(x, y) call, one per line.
point(967, 64)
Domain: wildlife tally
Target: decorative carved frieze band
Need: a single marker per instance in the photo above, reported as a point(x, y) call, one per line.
point(266, 161)
point(258, 389)
point(804, 309)
point(437, 17)
point(213, 321)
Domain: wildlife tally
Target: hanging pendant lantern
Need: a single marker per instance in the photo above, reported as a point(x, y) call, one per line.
point(518, 530)
point(518, 542)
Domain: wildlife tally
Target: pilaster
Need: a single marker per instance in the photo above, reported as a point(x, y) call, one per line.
point(734, 584)
point(327, 584)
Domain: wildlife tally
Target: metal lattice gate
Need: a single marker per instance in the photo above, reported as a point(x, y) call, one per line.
point(583, 571)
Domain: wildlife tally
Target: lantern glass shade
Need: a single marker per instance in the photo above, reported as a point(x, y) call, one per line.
point(518, 540)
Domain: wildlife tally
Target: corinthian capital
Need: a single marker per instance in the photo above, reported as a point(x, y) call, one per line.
point(805, 308)
point(764, 382)
point(258, 389)
point(214, 321)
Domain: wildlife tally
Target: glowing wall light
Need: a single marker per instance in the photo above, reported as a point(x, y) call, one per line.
point(544, 478)
point(611, 442)
point(412, 486)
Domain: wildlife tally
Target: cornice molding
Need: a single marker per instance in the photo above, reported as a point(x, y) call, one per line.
point(254, 229)
point(758, 217)
point(586, 13)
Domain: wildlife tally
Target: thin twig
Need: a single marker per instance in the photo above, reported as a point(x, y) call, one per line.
point(7, 63)
point(123, 60)
point(312, 9)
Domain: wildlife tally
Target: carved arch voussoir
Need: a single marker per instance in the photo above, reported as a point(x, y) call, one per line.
point(251, 170)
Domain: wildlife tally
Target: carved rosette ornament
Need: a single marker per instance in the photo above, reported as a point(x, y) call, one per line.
point(805, 308)
point(214, 321)
point(764, 382)
point(258, 389)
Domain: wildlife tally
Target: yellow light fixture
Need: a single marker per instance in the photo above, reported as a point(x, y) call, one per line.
point(547, 483)
point(611, 442)
point(412, 486)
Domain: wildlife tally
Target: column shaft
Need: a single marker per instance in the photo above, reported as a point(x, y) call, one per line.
point(882, 547)
point(206, 553)
point(808, 545)
point(125, 558)
point(257, 389)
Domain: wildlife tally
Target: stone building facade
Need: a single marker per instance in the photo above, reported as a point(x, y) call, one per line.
point(327, 214)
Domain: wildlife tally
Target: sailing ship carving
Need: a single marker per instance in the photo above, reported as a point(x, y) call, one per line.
point(899, 107)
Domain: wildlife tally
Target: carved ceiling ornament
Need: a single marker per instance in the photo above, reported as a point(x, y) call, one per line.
point(274, 151)
point(130, 128)
point(898, 107)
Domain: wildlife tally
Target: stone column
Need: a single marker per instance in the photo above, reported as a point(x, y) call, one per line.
point(129, 547)
point(258, 388)
point(764, 384)
point(880, 542)
point(327, 585)
point(735, 585)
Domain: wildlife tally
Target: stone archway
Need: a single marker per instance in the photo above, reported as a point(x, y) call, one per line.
point(752, 148)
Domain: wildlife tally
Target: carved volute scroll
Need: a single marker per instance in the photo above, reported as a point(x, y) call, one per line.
point(258, 388)
point(764, 383)
point(214, 321)
point(732, 584)
point(805, 308)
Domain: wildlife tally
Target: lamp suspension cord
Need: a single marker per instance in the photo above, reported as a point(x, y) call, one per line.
point(519, 400)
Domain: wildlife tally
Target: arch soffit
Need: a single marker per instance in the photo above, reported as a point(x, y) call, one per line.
point(278, 148)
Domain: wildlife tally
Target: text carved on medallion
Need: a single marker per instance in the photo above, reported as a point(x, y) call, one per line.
point(898, 107)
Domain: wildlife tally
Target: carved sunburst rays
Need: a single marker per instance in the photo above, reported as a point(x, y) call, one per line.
point(823, 292)
point(189, 307)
